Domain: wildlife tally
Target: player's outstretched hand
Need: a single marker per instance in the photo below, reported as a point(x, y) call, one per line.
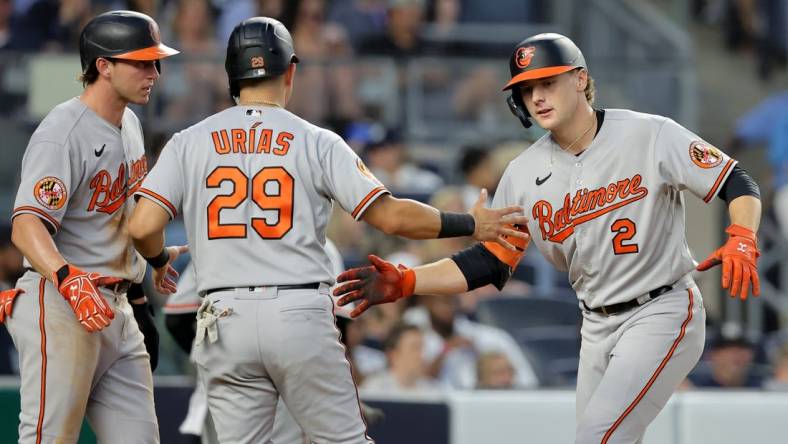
point(739, 258)
point(378, 283)
point(80, 289)
point(7, 298)
point(164, 277)
point(495, 225)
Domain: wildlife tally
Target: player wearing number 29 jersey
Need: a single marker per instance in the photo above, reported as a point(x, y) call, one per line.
point(256, 185)
point(260, 180)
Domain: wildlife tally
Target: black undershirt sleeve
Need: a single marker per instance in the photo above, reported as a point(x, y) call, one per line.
point(480, 267)
point(738, 184)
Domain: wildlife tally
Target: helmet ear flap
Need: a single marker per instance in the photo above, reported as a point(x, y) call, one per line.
point(517, 107)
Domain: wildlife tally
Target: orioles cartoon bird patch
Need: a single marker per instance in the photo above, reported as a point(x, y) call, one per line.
point(524, 56)
point(50, 192)
point(704, 155)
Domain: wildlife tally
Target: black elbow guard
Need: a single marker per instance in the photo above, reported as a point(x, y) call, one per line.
point(480, 267)
point(738, 184)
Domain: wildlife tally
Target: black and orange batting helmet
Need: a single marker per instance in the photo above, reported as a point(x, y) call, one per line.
point(539, 56)
point(259, 47)
point(125, 35)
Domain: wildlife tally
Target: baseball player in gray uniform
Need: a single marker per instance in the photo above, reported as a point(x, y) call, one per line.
point(180, 311)
point(81, 351)
point(256, 185)
point(603, 192)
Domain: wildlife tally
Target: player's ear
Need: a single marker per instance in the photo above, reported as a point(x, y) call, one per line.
point(582, 79)
point(102, 66)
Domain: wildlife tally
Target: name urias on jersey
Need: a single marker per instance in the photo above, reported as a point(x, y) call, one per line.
point(585, 206)
point(238, 140)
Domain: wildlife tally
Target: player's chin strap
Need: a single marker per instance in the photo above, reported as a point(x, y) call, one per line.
point(207, 315)
point(517, 107)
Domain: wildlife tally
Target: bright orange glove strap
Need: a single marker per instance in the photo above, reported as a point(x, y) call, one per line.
point(738, 230)
point(408, 281)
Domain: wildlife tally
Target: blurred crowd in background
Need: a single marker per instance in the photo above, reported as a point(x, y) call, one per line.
point(437, 131)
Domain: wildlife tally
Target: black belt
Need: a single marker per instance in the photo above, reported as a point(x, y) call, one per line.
point(309, 286)
point(624, 306)
point(120, 287)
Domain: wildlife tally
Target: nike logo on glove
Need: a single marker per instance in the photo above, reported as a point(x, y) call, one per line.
point(541, 181)
point(98, 153)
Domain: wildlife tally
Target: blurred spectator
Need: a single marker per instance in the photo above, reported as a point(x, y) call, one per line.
point(147, 7)
point(365, 359)
point(505, 11)
point(406, 370)
point(452, 343)
point(478, 172)
point(444, 14)
point(494, 372)
point(8, 24)
point(11, 267)
point(10, 270)
point(360, 18)
point(231, 13)
point(325, 80)
point(778, 159)
point(55, 25)
point(730, 360)
point(388, 161)
point(402, 39)
point(779, 379)
point(196, 68)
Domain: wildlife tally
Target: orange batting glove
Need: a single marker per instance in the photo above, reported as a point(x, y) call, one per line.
point(378, 283)
point(7, 302)
point(739, 258)
point(80, 289)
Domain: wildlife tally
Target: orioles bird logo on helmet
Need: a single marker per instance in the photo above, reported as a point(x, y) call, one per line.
point(524, 56)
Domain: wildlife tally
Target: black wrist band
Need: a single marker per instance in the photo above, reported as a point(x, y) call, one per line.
point(160, 259)
point(456, 225)
point(62, 273)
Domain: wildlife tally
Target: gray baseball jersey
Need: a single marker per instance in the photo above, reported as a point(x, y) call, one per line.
point(613, 215)
point(186, 300)
point(77, 174)
point(256, 186)
point(613, 218)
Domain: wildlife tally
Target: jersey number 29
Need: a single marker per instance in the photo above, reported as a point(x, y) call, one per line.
point(282, 202)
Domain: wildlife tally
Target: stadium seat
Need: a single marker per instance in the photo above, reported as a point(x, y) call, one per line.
point(515, 313)
point(554, 351)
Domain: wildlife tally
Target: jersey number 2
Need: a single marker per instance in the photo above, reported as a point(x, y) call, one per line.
point(281, 202)
point(626, 230)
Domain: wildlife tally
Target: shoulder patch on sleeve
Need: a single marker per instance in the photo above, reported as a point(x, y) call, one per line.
point(50, 192)
point(365, 171)
point(704, 155)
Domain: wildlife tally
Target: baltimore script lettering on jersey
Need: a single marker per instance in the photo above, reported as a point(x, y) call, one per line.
point(108, 194)
point(238, 140)
point(585, 206)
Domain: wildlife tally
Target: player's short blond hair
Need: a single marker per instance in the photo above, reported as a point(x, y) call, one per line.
point(590, 90)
